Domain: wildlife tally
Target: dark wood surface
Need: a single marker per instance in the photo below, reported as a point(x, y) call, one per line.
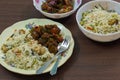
point(90, 60)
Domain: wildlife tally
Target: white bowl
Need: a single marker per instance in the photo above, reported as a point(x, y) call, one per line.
point(107, 4)
point(37, 4)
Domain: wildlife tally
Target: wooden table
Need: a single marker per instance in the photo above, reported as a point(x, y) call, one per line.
point(90, 60)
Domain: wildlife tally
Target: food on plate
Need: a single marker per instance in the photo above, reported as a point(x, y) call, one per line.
point(48, 35)
point(22, 51)
point(57, 6)
point(30, 49)
point(99, 20)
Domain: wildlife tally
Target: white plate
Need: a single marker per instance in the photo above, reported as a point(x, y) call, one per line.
point(21, 25)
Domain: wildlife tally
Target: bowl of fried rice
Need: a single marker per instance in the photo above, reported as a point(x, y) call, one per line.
point(99, 20)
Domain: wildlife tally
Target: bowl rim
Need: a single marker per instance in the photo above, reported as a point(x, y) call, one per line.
point(59, 14)
point(82, 28)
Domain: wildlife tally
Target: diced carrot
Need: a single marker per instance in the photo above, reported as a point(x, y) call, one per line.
point(90, 28)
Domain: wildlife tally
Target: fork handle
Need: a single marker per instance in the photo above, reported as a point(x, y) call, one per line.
point(54, 69)
point(42, 68)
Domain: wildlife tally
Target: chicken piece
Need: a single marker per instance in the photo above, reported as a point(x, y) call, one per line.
point(45, 35)
point(68, 2)
point(65, 9)
point(39, 29)
point(46, 7)
point(55, 30)
point(52, 49)
point(52, 42)
point(42, 41)
point(35, 35)
point(49, 7)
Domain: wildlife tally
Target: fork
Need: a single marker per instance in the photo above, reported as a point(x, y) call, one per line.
point(65, 44)
point(63, 47)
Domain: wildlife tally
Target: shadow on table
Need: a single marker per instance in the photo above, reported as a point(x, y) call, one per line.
point(107, 44)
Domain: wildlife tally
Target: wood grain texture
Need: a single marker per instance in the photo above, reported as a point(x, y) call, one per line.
point(90, 60)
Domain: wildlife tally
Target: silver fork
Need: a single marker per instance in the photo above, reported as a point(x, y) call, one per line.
point(65, 44)
point(63, 47)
